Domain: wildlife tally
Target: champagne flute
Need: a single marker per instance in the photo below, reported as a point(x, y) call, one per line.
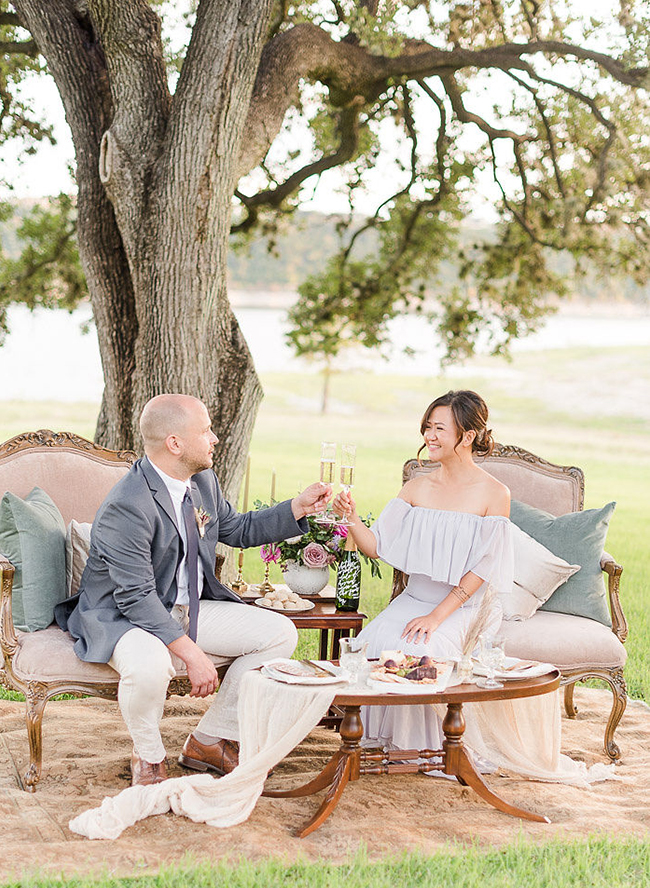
point(327, 466)
point(348, 464)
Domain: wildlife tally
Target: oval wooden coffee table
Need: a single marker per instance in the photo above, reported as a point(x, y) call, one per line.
point(351, 760)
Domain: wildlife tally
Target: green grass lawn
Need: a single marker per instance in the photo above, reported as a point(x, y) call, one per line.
point(591, 863)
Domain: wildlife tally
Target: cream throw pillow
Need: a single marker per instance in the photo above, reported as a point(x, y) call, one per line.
point(77, 546)
point(537, 574)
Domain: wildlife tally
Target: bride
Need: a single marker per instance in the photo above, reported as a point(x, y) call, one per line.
point(449, 530)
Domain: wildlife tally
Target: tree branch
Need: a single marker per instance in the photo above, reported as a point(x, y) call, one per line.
point(26, 47)
point(547, 127)
point(349, 132)
point(214, 78)
point(347, 69)
point(455, 97)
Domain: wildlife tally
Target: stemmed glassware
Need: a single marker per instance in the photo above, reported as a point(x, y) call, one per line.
point(353, 659)
point(327, 472)
point(327, 468)
point(491, 656)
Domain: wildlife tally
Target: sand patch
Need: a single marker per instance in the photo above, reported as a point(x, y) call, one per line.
point(86, 753)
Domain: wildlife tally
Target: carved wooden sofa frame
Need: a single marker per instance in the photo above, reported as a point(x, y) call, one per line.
point(558, 490)
point(42, 664)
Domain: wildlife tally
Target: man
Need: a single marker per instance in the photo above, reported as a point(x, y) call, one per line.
point(149, 590)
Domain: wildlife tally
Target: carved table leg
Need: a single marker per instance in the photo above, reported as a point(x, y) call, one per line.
point(458, 763)
point(341, 768)
point(35, 704)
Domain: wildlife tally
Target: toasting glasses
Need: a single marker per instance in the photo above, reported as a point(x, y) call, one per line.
point(328, 471)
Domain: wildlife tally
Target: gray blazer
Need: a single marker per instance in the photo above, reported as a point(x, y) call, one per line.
point(135, 551)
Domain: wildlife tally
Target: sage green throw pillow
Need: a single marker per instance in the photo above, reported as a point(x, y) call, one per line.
point(32, 537)
point(579, 538)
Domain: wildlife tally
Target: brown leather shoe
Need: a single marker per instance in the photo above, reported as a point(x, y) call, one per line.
point(222, 757)
point(145, 773)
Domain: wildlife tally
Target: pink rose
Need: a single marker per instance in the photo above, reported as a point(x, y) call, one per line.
point(270, 553)
point(341, 531)
point(314, 555)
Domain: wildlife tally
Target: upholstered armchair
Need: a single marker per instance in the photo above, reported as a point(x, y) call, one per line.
point(582, 648)
point(41, 664)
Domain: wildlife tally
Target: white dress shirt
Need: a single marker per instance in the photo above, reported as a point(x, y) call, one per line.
point(177, 490)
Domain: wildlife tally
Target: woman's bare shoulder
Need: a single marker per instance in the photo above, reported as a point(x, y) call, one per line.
point(498, 497)
point(409, 493)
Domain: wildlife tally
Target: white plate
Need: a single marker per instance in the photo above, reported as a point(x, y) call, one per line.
point(307, 606)
point(412, 687)
point(339, 675)
point(526, 671)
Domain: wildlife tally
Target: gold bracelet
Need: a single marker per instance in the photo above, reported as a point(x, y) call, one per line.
point(461, 594)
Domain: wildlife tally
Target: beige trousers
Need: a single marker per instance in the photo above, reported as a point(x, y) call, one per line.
point(248, 634)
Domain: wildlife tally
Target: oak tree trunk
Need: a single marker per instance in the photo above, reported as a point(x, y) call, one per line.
point(156, 175)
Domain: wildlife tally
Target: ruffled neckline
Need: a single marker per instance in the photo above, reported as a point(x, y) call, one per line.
point(397, 499)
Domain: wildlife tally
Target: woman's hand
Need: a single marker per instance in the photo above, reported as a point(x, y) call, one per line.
point(420, 629)
point(344, 505)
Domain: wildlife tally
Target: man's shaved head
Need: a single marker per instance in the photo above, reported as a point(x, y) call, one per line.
point(165, 415)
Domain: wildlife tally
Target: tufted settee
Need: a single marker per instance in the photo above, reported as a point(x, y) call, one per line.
point(77, 475)
point(581, 648)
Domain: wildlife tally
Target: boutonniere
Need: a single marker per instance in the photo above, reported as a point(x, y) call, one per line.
point(202, 519)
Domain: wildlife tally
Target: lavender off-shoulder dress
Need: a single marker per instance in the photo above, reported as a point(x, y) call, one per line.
point(436, 549)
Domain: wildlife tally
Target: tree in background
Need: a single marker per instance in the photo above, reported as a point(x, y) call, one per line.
point(269, 97)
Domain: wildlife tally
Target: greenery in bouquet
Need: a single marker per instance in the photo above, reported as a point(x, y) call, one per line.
point(322, 546)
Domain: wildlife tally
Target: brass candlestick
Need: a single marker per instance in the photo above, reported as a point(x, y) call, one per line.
point(266, 586)
point(239, 586)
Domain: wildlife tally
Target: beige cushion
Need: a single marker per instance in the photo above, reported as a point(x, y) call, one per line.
point(537, 574)
point(564, 640)
point(48, 655)
point(77, 546)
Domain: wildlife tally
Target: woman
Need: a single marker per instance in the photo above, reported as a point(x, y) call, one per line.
point(449, 531)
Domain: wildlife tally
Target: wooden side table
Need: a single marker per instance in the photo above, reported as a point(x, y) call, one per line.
point(324, 616)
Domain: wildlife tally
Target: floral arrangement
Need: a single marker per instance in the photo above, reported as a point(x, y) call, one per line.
point(322, 546)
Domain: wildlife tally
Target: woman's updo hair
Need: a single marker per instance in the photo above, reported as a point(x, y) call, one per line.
point(470, 413)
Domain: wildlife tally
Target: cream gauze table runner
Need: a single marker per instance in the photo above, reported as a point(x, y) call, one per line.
point(520, 735)
point(273, 718)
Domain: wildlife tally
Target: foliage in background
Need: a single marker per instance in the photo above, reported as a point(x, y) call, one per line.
point(547, 102)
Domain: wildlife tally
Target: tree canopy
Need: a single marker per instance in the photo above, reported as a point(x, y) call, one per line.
point(423, 107)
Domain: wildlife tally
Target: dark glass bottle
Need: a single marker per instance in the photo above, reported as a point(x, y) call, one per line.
point(348, 578)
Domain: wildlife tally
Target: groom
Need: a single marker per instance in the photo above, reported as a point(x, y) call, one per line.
point(149, 589)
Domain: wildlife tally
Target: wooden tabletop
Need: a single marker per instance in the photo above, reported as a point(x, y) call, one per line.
point(465, 693)
point(323, 615)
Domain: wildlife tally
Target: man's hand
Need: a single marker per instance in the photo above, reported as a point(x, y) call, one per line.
point(203, 676)
point(313, 499)
point(201, 671)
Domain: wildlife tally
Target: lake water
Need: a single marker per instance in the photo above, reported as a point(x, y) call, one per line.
point(47, 357)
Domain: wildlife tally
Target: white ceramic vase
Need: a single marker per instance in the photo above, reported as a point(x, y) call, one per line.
point(305, 580)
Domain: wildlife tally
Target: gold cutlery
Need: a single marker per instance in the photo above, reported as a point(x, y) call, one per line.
point(319, 670)
point(520, 666)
